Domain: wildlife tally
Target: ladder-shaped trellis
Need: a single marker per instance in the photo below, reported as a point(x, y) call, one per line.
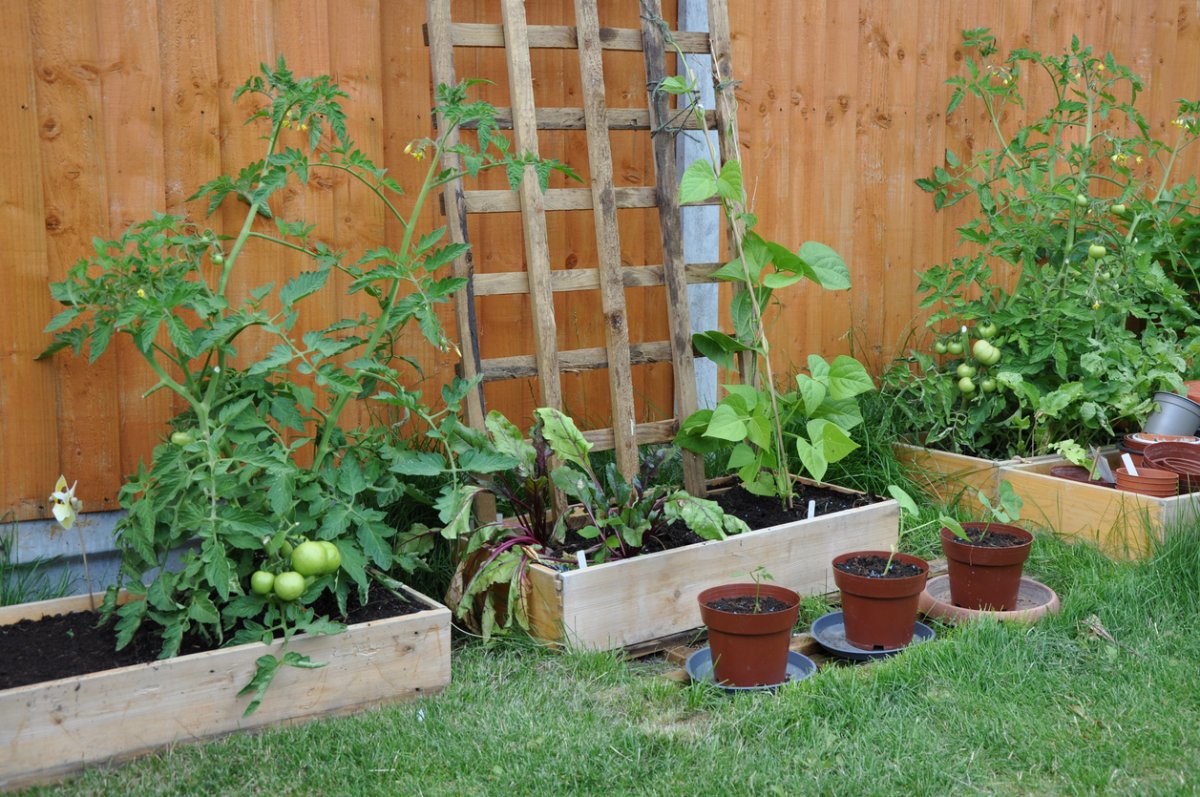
point(541, 282)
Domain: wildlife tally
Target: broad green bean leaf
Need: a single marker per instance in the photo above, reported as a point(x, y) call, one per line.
point(812, 393)
point(848, 378)
point(726, 424)
point(699, 182)
point(827, 266)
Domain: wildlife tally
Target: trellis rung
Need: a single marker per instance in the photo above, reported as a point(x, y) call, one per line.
point(618, 119)
point(562, 37)
point(573, 360)
point(586, 279)
point(644, 433)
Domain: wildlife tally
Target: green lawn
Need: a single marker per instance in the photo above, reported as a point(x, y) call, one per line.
point(986, 709)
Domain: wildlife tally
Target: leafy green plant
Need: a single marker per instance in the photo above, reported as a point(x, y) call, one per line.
point(260, 463)
point(1007, 509)
point(1081, 220)
point(758, 575)
point(22, 582)
point(753, 416)
point(612, 518)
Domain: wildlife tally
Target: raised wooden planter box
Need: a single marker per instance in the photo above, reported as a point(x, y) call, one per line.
point(1120, 524)
point(622, 603)
point(957, 479)
point(52, 729)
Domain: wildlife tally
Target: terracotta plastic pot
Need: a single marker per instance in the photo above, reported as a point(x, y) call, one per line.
point(1077, 473)
point(983, 577)
point(1180, 458)
point(879, 613)
point(749, 649)
point(1149, 481)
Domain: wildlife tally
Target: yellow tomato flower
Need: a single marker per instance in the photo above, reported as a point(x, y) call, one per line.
point(1096, 305)
point(64, 504)
point(141, 294)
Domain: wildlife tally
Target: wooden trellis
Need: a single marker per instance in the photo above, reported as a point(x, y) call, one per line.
point(538, 280)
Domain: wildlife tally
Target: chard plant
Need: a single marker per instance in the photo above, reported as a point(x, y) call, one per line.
point(261, 466)
point(1070, 287)
point(764, 429)
point(612, 518)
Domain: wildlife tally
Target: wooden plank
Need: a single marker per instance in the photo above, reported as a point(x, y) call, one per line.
point(587, 279)
point(533, 205)
point(67, 69)
point(573, 119)
point(951, 478)
point(670, 224)
point(644, 433)
point(1122, 525)
point(441, 56)
point(622, 603)
point(572, 360)
point(55, 728)
point(563, 37)
point(504, 201)
point(132, 89)
point(608, 240)
point(29, 445)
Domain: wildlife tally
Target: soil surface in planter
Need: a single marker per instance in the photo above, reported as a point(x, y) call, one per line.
point(67, 645)
point(757, 511)
point(763, 512)
point(872, 567)
point(991, 539)
point(745, 604)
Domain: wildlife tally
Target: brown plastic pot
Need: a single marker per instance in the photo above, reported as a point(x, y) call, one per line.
point(749, 649)
point(983, 577)
point(879, 613)
point(1149, 481)
point(1077, 473)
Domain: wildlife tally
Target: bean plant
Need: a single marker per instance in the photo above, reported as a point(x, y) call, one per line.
point(1066, 312)
point(261, 461)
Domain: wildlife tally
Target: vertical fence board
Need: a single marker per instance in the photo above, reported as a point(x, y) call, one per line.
point(75, 189)
point(29, 446)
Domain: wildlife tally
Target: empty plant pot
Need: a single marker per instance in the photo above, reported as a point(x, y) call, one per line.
point(986, 574)
point(1180, 458)
point(1078, 473)
point(1149, 481)
point(880, 612)
point(749, 649)
point(1175, 415)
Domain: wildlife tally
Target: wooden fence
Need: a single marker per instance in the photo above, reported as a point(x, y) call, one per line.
point(115, 109)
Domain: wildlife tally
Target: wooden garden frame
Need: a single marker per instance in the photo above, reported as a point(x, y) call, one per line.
point(539, 281)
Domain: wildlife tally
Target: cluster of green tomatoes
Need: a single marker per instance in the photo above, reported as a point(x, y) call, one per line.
point(984, 352)
point(309, 559)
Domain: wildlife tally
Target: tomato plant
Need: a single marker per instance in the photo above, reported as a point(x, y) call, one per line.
point(1080, 315)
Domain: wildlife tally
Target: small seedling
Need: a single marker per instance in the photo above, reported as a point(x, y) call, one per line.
point(759, 575)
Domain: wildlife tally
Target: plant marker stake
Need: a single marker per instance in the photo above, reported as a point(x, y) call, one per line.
point(1132, 471)
point(812, 509)
point(581, 559)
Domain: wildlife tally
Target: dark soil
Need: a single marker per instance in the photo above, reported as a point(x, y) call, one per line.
point(68, 645)
point(744, 604)
point(991, 539)
point(756, 511)
point(761, 513)
point(872, 567)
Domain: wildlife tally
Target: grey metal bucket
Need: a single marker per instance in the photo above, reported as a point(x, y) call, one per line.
point(1175, 415)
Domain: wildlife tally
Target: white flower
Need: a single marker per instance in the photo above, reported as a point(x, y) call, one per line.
point(65, 505)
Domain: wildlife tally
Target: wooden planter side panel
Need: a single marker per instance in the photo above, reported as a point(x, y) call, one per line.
point(1121, 524)
point(52, 729)
point(956, 479)
point(623, 603)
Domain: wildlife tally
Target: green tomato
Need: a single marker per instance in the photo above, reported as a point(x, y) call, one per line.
point(333, 557)
point(965, 371)
point(218, 257)
point(1118, 209)
point(985, 352)
point(987, 330)
point(1097, 251)
point(262, 582)
point(940, 347)
point(988, 385)
point(966, 386)
point(309, 558)
point(182, 438)
point(289, 585)
point(955, 347)
point(1081, 200)
point(1103, 276)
